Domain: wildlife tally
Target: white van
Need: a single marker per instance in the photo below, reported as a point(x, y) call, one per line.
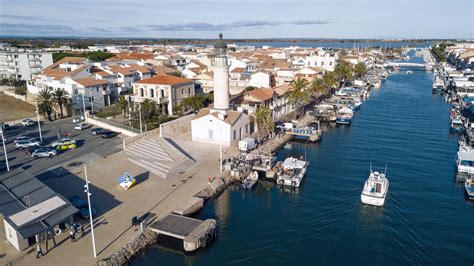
point(247, 144)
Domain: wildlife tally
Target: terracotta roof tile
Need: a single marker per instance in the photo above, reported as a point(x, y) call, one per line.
point(262, 94)
point(87, 82)
point(164, 80)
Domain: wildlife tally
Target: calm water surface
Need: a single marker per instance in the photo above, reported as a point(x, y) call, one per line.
point(425, 220)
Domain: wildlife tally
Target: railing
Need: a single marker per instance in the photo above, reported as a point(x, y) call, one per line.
point(112, 125)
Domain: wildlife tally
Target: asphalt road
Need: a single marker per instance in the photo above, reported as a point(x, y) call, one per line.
point(89, 147)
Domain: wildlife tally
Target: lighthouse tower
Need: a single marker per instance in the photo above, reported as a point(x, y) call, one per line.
point(221, 76)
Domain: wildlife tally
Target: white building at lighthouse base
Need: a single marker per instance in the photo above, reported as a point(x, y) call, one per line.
point(220, 127)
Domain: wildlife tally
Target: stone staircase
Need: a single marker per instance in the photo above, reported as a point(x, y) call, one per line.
point(158, 156)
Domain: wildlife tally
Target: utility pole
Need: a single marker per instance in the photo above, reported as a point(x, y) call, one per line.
point(86, 186)
point(84, 105)
point(5, 150)
point(38, 118)
point(140, 114)
point(91, 100)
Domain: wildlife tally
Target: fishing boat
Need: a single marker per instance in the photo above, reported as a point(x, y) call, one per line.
point(344, 116)
point(375, 189)
point(292, 172)
point(250, 180)
point(469, 186)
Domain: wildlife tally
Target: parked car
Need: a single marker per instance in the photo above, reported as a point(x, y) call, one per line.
point(23, 144)
point(97, 131)
point(4, 127)
point(61, 141)
point(81, 126)
point(109, 134)
point(27, 122)
point(23, 138)
point(78, 119)
point(44, 152)
point(84, 212)
point(78, 202)
point(66, 146)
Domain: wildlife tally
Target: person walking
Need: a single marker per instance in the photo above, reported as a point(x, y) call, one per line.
point(39, 252)
point(73, 236)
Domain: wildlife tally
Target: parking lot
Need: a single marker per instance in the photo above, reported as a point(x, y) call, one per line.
point(89, 147)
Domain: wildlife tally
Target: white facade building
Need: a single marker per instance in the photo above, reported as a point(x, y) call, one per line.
point(323, 59)
point(20, 64)
point(260, 80)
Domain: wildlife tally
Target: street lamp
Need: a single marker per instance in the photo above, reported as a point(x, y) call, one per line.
point(38, 119)
point(5, 150)
point(86, 186)
point(140, 115)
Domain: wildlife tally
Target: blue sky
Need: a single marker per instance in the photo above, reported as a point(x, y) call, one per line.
point(239, 18)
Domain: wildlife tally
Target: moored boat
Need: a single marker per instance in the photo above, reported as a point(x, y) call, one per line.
point(293, 171)
point(250, 180)
point(344, 116)
point(464, 161)
point(375, 189)
point(457, 124)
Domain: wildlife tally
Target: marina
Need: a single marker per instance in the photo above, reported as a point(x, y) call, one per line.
point(327, 208)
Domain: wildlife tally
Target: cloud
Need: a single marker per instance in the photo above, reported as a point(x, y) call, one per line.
point(205, 26)
point(35, 29)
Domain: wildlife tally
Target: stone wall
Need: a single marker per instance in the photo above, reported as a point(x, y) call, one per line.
point(109, 125)
point(176, 127)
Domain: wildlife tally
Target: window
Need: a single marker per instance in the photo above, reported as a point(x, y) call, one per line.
point(330, 63)
point(162, 92)
point(142, 92)
point(152, 93)
point(235, 134)
point(16, 56)
point(467, 163)
point(189, 90)
point(246, 128)
point(182, 91)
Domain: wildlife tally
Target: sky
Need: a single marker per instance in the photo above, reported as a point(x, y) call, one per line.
point(391, 19)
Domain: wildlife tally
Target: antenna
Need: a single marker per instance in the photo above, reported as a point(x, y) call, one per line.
point(385, 169)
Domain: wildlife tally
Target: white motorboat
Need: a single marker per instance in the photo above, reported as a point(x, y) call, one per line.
point(375, 189)
point(344, 115)
point(250, 180)
point(377, 84)
point(293, 171)
point(464, 161)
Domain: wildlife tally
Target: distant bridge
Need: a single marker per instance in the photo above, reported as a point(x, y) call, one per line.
point(405, 65)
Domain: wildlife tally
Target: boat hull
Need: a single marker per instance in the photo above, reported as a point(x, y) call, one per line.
point(371, 200)
point(343, 121)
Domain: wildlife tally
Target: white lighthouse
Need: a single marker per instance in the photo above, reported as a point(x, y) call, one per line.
point(221, 76)
point(220, 124)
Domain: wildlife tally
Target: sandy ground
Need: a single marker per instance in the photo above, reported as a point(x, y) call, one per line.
point(14, 109)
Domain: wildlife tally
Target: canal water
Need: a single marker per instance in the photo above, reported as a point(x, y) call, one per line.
point(425, 220)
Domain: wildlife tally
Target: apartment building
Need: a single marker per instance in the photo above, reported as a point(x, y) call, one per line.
point(22, 64)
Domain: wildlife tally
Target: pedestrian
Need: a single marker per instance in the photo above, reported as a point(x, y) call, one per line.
point(39, 252)
point(73, 236)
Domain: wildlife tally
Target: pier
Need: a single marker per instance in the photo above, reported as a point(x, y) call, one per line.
point(310, 133)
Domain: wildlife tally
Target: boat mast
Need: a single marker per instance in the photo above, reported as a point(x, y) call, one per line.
point(385, 170)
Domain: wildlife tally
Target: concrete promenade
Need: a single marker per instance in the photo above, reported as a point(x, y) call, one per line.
point(115, 206)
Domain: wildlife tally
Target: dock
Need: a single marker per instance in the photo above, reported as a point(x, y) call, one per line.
point(194, 233)
point(310, 133)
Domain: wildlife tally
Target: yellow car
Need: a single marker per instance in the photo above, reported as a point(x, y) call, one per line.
point(66, 146)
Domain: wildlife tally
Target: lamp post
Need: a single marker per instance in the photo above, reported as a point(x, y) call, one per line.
point(38, 119)
point(140, 115)
point(92, 101)
point(84, 105)
point(86, 186)
point(5, 150)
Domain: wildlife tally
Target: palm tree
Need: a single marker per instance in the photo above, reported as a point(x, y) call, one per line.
point(330, 79)
point(123, 104)
point(318, 86)
point(46, 102)
point(360, 70)
point(60, 97)
point(343, 73)
point(299, 95)
point(263, 118)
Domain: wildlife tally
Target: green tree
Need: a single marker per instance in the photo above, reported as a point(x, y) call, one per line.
point(298, 94)
point(45, 102)
point(123, 104)
point(263, 118)
point(319, 86)
point(343, 73)
point(149, 109)
point(194, 103)
point(60, 97)
point(360, 70)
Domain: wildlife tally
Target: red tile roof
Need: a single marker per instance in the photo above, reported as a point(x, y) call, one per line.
point(164, 80)
point(87, 82)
